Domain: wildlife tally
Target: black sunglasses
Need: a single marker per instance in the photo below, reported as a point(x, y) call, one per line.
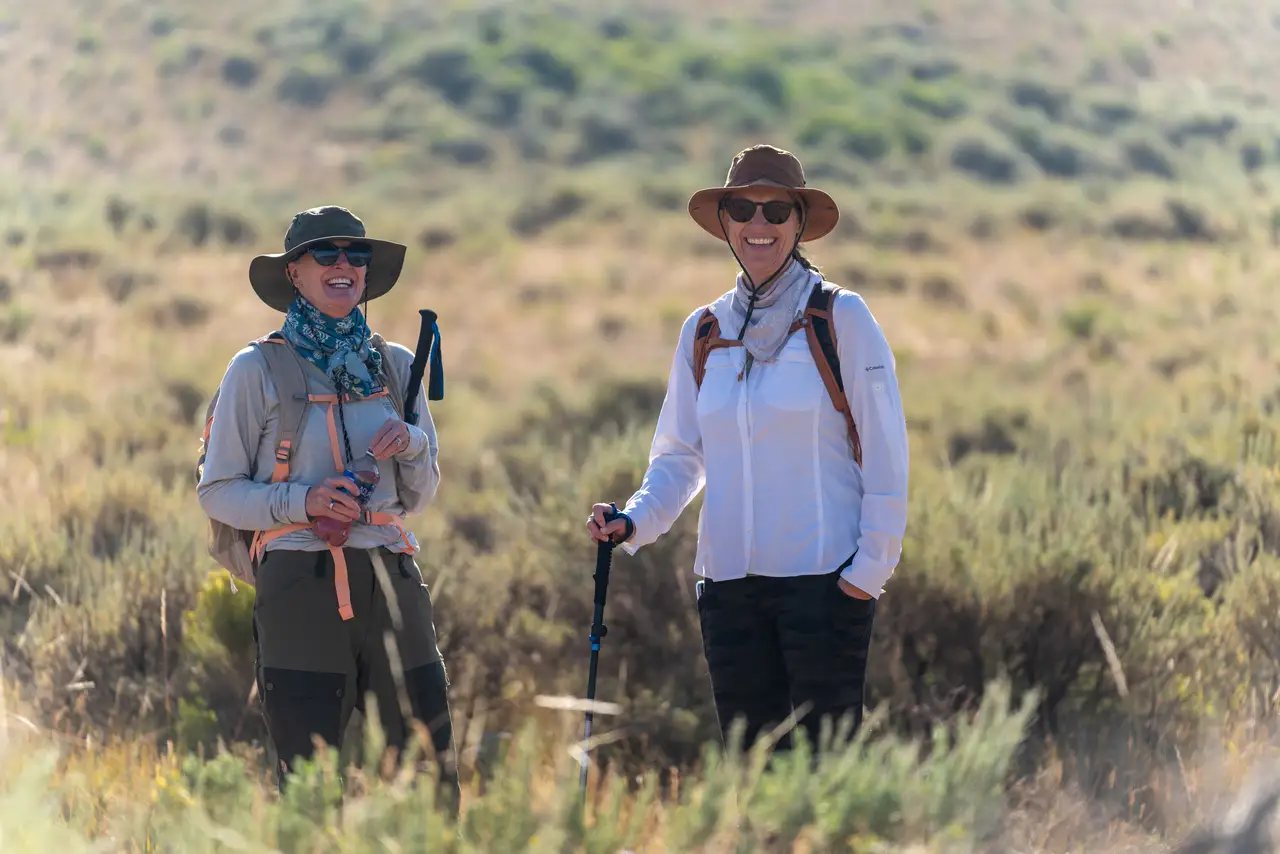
point(326, 254)
point(744, 210)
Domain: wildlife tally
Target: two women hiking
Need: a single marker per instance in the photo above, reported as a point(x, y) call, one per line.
point(782, 402)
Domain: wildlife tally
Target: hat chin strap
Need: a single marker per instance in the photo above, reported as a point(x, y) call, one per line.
point(755, 289)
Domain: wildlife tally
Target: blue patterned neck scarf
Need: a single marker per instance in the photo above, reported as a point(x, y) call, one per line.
point(339, 346)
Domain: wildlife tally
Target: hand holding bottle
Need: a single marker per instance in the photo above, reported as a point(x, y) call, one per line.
point(333, 499)
point(360, 478)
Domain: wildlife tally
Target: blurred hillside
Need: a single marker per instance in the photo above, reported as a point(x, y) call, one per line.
point(1064, 214)
point(483, 115)
point(548, 150)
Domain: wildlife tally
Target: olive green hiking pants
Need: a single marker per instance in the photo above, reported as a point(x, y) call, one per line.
point(314, 668)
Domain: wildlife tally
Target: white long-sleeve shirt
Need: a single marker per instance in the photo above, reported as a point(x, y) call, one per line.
point(783, 493)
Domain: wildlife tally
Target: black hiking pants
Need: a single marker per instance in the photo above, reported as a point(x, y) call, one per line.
point(314, 668)
point(775, 644)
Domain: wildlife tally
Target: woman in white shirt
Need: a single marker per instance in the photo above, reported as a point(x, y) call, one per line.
point(783, 402)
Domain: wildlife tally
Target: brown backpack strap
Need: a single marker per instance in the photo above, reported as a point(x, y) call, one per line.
point(820, 330)
point(706, 337)
point(287, 373)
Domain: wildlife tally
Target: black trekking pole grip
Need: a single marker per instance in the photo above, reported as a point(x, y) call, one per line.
point(604, 560)
point(426, 340)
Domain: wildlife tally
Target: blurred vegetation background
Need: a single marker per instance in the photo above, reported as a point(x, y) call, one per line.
point(1064, 214)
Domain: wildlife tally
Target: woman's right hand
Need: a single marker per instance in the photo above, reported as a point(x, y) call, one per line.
point(599, 531)
point(334, 499)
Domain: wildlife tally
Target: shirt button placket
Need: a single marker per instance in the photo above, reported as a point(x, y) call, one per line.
point(748, 497)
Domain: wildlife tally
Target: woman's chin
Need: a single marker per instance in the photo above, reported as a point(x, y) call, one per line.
point(337, 305)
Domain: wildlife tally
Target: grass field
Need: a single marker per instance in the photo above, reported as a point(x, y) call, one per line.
point(1064, 215)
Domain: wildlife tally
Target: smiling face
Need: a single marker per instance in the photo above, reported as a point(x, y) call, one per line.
point(336, 289)
point(762, 246)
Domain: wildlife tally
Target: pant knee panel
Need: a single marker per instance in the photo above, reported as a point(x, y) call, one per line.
point(300, 704)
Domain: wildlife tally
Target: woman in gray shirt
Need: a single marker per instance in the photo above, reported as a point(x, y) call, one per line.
point(341, 609)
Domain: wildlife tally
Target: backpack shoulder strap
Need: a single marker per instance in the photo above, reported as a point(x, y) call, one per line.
point(821, 333)
point(706, 337)
point(708, 328)
point(287, 373)
point(396, 380)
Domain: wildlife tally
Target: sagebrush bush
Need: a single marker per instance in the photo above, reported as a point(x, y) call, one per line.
point(882, 792)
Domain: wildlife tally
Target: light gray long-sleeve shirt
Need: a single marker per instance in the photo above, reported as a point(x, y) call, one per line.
point(236, 486)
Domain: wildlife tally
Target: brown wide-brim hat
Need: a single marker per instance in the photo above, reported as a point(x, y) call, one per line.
point(271, 282)
point(766, 166)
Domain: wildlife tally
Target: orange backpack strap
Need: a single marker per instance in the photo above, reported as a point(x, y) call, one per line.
point(820, 330)
point(706, 337)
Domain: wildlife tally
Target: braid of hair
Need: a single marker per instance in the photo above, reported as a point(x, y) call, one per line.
point(805, 262)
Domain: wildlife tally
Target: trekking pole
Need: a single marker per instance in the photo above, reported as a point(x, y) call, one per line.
point(604, 558)
point(427, 342)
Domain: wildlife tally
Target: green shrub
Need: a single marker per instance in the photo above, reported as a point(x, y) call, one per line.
point(860, 137)
point(1151, 158)
point(1135, 56)
point(240, 71)
point(309, 83)
point(1051, 100)
point(935, 69)
point(549, 69)
point(935, 101)
point(1110, 113)
point(1215, 127)
point(763, 79)
point(1253, 156)
point(1081, 321)
point(450, 70)
point(1057, 151)
point(986, 160)
point(464, 151)
point(539, 214)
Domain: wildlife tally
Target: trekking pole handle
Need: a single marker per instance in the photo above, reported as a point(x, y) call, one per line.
point(604, 560)
point(426, 340)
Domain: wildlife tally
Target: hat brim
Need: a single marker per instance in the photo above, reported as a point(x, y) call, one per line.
point(823, 212)
point(271, 282)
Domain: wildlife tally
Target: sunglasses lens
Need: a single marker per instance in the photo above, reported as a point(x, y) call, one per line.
point(359, 254)
point(777, 212)
point(326, 254)
point(741, 210)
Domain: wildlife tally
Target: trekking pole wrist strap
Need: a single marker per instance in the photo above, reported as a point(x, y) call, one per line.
point(618, 514)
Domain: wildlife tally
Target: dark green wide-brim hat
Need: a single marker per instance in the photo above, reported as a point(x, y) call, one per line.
point(271, 282)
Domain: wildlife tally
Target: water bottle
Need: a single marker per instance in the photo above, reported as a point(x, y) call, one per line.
point(364, 472)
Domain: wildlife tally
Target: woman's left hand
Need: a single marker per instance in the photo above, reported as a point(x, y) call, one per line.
point(392, 438)
point(851, 590)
